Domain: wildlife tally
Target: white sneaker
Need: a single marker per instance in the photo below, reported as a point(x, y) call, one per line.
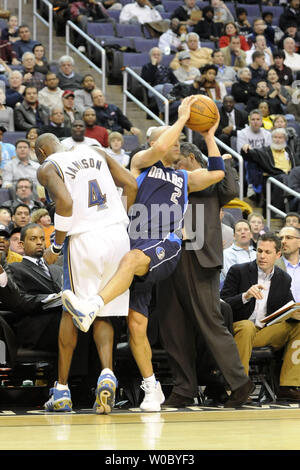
point(154, 396)
point(82, 311)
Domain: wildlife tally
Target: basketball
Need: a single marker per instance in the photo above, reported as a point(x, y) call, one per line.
point(204, 114)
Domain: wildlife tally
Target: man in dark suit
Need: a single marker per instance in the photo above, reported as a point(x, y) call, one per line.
point(231, 120)
point(255, 290)
point(192, 305)
point(38, 328)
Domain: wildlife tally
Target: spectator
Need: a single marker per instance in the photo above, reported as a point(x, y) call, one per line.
point(6, 114)
point(92, 130)
point(68, 79)
point(226, 74)
point(262, 93)
point(200, 56)
point(257, 226)
point(293, 142)
point(290, 257)
point(267, 120)
point(185, 72)
point(83, 98)
point(110, 116)
point(21, 215)
point(293, 106)
point(268, 18)
point(261, 28)
point(257, 289)
point(42, 218)
point(11, 31)
point(253, 135)
point(285, 73)
point(24, 195)
point(291, 32)
point(51, 94)
point(243, 88)
point(30, 76)
point(276, 89)
point(7, 55)
point(292, 219)
point(8, 151)
point(222, 13)
point(241, 251)
point(21, 166)
point(31, 135)
point(207, 29)
point(291, 13)
point(172, 40)
point(57, 125)
point(233, 54)
point(115, 150)
point(41, 63)
point(260, 44)
point(292, 59)
point(15, 89)
point(78, 137)
point(258, 67)
point(230, 29)
point(242, 22)
point(188, 13)
point(294, 183)
point(30, 113)
point(231, 120)
point(207, 82)
point(25, 43)
point(71, 113)
point(14, 241)
point(139, 12)
point(10, 256)
point(5, 216)
point(157, 75)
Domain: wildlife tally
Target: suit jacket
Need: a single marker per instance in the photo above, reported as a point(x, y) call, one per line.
point(241, 277)
point(212, 199)
point(25, 117)
point(241, 119)
point(32, 280)
point(239, 62)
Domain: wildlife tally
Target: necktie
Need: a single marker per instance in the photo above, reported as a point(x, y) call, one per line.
point(230, 120)
point(42, 265)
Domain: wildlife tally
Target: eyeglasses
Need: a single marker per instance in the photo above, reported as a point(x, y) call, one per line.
point(288, 237)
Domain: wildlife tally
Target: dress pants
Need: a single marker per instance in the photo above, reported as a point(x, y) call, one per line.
point(188, 303)
point(285, 334)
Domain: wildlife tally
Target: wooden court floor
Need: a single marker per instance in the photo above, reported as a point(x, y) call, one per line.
point(195, 428)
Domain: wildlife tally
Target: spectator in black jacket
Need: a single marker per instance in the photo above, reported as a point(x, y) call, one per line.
point(184, 12)
point(291, 13)
point(30, 113)
point(206, 28)
point(243, 88)
point(285, 73)
point(262, 93)
point(110, 116)
point(231, 120)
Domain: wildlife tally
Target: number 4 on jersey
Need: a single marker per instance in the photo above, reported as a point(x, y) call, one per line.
point(96, 198)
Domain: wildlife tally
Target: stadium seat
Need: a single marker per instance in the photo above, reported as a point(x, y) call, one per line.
point(12, 137)
point(253, 10)
point(144, 45)
point(5, 195)
point(130, 142)
point(171, 5)
point(100, 29)
point(128, 30)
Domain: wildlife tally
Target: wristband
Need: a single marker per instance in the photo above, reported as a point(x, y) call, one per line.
point(61, 223)
point(56, 249)
point(215, 163)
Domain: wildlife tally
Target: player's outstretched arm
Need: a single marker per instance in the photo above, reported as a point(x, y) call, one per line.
point(168, 136)
point(201, 179)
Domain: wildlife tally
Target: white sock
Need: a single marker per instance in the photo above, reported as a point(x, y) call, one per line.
point(98, 301)
point(150, 380)
point(61, 387)
point(107, 371)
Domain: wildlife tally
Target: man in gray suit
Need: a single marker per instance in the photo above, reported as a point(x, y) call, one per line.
point(193, 290)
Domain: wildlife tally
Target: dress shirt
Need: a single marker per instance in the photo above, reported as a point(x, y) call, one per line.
point(39, 262)
point(260, 309)
point(15, 169)
point(294, 272)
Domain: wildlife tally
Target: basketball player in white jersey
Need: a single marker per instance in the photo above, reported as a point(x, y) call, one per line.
point(91, 228)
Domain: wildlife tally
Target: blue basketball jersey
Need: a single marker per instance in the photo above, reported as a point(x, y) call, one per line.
point(161, 201)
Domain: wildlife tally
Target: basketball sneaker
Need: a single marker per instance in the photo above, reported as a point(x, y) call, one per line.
point(154, 396)
point(83, 311)
point(60, 400)
point(105, 392)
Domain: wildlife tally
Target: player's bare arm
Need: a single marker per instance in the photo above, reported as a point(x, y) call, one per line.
point(122, 178)
point(168, 136)
point(201, 179)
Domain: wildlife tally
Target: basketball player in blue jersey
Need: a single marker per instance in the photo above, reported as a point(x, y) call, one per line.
point(155, 246)
point(91, 221)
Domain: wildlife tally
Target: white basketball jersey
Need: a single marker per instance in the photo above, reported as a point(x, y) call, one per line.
point(96, 201)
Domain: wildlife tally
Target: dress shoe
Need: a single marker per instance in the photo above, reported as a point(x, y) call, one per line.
point(240, 396)
point(178, 401)
point(288, 394)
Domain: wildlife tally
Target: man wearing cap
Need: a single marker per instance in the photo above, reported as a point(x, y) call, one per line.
point(185, 72)
point(71, 113)
point(7, 151)
point(10, 256)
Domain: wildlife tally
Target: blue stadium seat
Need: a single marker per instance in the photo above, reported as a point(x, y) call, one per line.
point(253, 10)
point(130, 142)
point(12, 137)
point(144, 45)
point(129, 30)
point(115, 14)
point(171, 5)
point(100, 29)
point(133, 59)
point(5, 195)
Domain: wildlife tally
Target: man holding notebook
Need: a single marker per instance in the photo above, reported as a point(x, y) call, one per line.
point(255, 290)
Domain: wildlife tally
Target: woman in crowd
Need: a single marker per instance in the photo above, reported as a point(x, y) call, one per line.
point(243, 89)
point(6, 113)
point(41, 63)
point(230, 29)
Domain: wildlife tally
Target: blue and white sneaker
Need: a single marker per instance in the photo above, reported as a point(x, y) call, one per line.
point(105, 392)
point(83, 312)
point(60, 400)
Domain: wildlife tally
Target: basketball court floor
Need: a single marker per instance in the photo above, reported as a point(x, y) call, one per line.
point(252, 427)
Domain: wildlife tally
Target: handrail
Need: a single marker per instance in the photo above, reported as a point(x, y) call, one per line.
point(69, 45)
point(48, 23)
point(241, 164)
point(127, 94)
point(269, 206)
